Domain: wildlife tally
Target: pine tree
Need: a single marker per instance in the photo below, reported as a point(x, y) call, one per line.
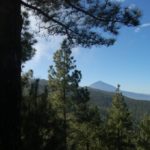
point(27, 39)
point(119, 125)
point(143, 142)
point(34, 113)
point(40, 127)
point(88, 132)
point(63, 81)
point(87, 126)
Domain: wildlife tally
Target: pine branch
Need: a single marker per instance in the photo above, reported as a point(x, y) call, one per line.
point(83, 11)
point(47, 16)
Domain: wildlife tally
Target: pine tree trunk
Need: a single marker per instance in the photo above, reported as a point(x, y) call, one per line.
point(65, 117)
point(10, 74)
point(87, 146)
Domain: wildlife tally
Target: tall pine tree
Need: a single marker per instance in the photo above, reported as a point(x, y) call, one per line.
point(119, 125)
point(63, 81)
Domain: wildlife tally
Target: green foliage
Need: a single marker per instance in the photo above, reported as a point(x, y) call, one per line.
point(27, 39)
point(81, 120)
point(40, 128)
point(103, 100)
point(63, 78)
point(119, 125)
point(63, 84)
point(87, 130)
point(43, 120)
point(143, 141)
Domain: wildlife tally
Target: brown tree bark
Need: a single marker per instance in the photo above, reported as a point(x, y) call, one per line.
point(10, 74)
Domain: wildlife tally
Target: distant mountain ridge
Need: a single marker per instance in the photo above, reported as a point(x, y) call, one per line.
point(103, 99)
point(103, 86)
point(110, 88)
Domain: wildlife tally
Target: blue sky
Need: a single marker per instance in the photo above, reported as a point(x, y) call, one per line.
point(127, 62)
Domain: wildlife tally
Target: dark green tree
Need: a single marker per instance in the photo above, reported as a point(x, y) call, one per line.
point(34, 113)
point(119, 125)
point(60, 18)
point(81, 120)
point(63, 81)
point(87, 128)
point(143, 140)
point(40, 128)
point(27, 39)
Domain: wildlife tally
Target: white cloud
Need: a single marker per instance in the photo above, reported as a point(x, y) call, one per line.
point(43, 49)
point(46, 48)
point(145, 25)
point(44, 54)
point(142, 26)
point(132, 6)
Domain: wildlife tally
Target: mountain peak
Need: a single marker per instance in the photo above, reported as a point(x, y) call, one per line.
point(100, 85)
point(103, 86)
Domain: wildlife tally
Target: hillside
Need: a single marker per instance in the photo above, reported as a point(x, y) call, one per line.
point(103, 99)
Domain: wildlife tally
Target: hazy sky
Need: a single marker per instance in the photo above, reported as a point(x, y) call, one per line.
point(126, 63)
